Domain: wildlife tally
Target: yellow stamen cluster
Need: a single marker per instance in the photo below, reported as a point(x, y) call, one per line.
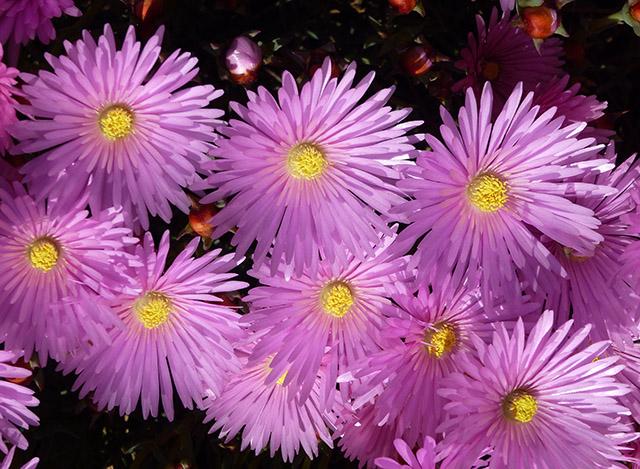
point(442, 339)
point(44, 253)
point(519, 406)
point(153, 309)
point(569, 253)
point(487, 192)
point(490, 70)
point(337, 298)
point(306, 161)
point(116, 122)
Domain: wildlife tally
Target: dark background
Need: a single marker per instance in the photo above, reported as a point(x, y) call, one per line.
point(295, 36)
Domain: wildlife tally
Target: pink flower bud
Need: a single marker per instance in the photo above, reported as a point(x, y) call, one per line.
point(243, 60)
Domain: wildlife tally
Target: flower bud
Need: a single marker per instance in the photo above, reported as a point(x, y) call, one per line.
point(634, 11)
point(199, 217)
point(243, 60)
point(147, 10)
point(403, 6)
point(417, 60)
point(539, 22)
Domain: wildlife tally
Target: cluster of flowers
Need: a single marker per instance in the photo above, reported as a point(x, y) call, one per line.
point(406, 297)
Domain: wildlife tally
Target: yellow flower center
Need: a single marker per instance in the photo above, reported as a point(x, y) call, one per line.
point(306, 161)
point(569, 253)
point(490, 70)
point(442, 339)
point(116, 122)
point(519, 406)
point(44, 253)
point(153, 309)
point(487, 192)
point(337, 298)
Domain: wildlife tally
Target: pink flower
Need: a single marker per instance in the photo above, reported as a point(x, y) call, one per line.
point(21, 20)
point(106, 128)
point(175, 336)
point(293, 163)
point(505, 56)
point(538, 402)
point(482, 196)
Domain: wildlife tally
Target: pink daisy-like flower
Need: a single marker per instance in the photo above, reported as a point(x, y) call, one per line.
point(595, 290)
point(362, 438)
point(7, 102)
point(21, 20)
point(272, 414)
point(173, 331)
point(8, 459)
point(128, 140)
point(505, 56)
point(425, 457)
point(573, 106)
point(305, 320)
point(14, 400)
point(54, 260)
point(434, 328)
point(296, 162)
point(538, 402)
point(478, 196)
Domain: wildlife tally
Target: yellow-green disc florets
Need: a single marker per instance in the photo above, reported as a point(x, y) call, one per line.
point(153, 309)
point(442, 339)
point(519, 406)
point(337, 298)
point(44, 253)
point(487, 192)
point(116, 122)
point(306, 161)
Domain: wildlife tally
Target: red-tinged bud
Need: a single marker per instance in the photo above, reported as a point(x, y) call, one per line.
point(539, 22)
point(634, 11)
point(199, 217)
point(574, 53)
point(316, 59)
point(26, 381)
point(403, 6)
point(418, 60)
point(148, 10)
point(243, 60)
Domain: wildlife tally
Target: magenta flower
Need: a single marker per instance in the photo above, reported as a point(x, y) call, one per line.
point(7, 102)
point(505, 56)
point(362, 438)
point(537, 402)
point(423, 459)
point(478, 196)
point(336, 316)
point(595, 289)
point(243, 59)
point(14, 400)
point(296, 162)
point(54, 261)
point(21, 20)
point(573, 106)
point(435, 329)
point(272, 414)
point(173, 331)
point(129, 141)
